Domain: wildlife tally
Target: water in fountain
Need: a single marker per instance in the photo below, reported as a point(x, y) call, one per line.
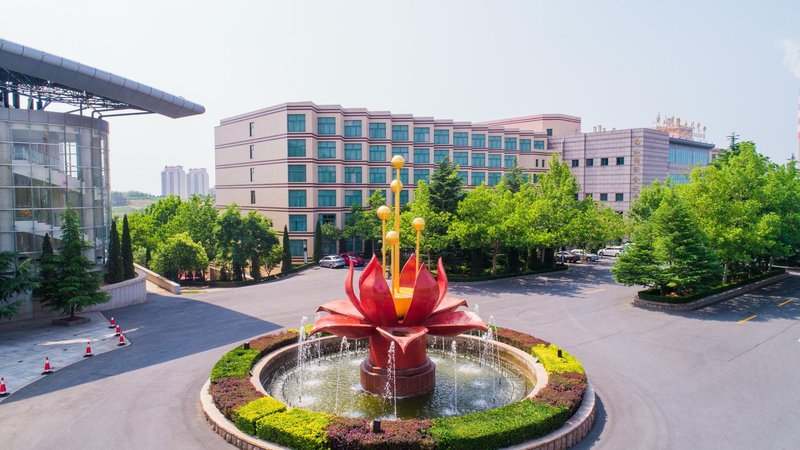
point(344, 351)
point(454, 350)
point(390, 390)
point(301, 358)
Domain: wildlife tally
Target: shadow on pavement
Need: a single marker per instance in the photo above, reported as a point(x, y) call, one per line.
point(600, 420)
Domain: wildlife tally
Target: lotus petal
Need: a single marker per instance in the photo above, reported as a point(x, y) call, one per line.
point(449, 304)
point(454, 323)
point(403, 336)
point(442, 281)
point(376, 297)
point(343, 307)
point(424, 298)
point(346, 326)
point(408, 275)
point(348, 289)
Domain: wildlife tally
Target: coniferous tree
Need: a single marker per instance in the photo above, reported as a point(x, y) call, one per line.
point(49, 265)
point(127, 250)
point(114, 271)
point(286, 263)
point(13, 281)
point(446, 188)
point(318, 241)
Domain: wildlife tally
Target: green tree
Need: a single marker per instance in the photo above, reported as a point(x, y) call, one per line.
point(114, 270)
point(559, 205)
point(318, 241)
point(257, 241)
point(446, 188)
point(127, 250)
point(515, 178)
point(231, 254)
point(15, 281)
point(331, 234)
point(179, 255)
point(286, 262)
point(197, 217)
point(647, 203)
point(273, 258)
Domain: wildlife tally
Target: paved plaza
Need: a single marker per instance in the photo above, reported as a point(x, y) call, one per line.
point(706, 379)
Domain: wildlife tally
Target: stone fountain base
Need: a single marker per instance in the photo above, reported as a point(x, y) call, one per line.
point(408, 382)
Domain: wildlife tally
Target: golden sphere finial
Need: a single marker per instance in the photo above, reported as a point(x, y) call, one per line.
point(392, 237)
point(398, 161)
point(418, 224)
point(384, 212)
point(396, 185)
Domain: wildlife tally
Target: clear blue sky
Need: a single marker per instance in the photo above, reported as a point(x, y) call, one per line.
point(613, 63)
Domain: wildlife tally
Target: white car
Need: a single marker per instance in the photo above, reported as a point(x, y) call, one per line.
point(612, 251)
point(332, 261)
point(584, 255)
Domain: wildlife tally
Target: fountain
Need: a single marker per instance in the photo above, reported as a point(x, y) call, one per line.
point(400, 314)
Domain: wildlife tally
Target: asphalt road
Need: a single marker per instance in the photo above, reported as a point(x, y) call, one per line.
point(701, 380)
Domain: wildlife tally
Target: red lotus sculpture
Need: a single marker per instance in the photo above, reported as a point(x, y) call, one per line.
point(385, 316)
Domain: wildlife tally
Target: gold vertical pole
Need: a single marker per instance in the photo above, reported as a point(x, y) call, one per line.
point(397, 186)
point(383, 213)
point(419, 225)
point(416, 266)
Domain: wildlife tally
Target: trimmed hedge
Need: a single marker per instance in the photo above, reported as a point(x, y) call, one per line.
point(499, 427)
point(236, 363)
point(356, 434)
point(231, 393)
point(500, 276)
point(296, 428)
point(247, 415)
point(518, 339)
point(548, 356)
point(271, 342)
point(564, 390)
point(652, 294)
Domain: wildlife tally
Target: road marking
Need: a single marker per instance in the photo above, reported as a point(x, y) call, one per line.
point(592, 292)
point(749, 318)
point(787, 302)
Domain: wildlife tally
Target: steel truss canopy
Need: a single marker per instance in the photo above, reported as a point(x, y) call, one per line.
point(45, 78)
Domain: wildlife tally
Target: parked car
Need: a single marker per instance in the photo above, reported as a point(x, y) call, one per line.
point(352, 256)
point(332, 261)
point(612, 251)
point(567, 257)
point(584, 255)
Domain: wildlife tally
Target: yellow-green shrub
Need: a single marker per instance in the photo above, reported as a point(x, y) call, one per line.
point(249, 414)
point(296, 428)
point(548, 356)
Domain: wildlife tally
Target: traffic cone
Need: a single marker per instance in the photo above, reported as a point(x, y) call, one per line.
point(121, 340)
point(47, 368)
point(3, 391)
point(112, 324)
point(88, 353)
point(118, 331)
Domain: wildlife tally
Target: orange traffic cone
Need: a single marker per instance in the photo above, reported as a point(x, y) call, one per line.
point(3, 391)
point(112, 324)
point(47, 368)
point(121, 340)
point(118, 331)
point(88, 353)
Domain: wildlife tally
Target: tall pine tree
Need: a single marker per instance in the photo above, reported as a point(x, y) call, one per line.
point(446, 188)
point(13, 282)
point(286, 263)
point(114, 271)
point(127, 250)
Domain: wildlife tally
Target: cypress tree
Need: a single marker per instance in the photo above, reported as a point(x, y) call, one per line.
point(127, 250)
point(286, 263)
point(318, 241)
point(114, 272)
point(49, 265)
point(446, 188)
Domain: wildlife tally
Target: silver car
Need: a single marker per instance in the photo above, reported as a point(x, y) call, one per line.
point(332, 261)
point(584, 255)
point(612, 251)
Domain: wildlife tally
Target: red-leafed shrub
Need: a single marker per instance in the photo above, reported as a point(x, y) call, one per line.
point(564, 390)
point(271, 342)
point(518, 339)
point(230, 393)
point(353, 434)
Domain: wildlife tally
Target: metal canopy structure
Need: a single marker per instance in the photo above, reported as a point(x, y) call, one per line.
point(45, 78)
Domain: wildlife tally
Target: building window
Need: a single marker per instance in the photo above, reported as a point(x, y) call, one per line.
point(620, 160)
point(326, 150)
point(297, 198)
point(326, 197)
point(252, 197)
point(377, 175)
point(589, 162)
point(352, 174)
point(326, 174)
point(603, 161)
point(603, 197)
point(252, 149)
point(538, 145)
point(422, 134)
point(495, 142)
point(549, 131)
point(402, 151)
point(297, 148)
point(479, 141)
point(252, 128)
point(326, 126)
point(464, 175)
point(377, 131)
point(479, 160)
point(495, 161)
point(297, 174)
point(618, 197)
point(511, 143)
point(298, 222)
point(421, 175)
point(353, 198)
point(352, 152)
point(494, 178)
point(382, 192)
point(509, 161)
point(296, 123)
point(537, 163)
point(440, 155)
point(404, 175)
point(544, 163)
point(684, 154)
point(441, 137)
point(461, 158)
point(478, 178)
point(297, 247)
point(575, 163)
point(327, 218)
point(422, 155)
point(404, 197)
point(524, 145)
point(377, 153)
point(252, 173)
point(535, 178)
point(460, 139)
point(352, 128)
point(400, 133)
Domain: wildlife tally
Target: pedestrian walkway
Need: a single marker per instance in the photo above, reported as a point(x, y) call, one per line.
point(26, 344)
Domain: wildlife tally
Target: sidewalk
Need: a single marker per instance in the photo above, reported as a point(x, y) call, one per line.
point(26, 344)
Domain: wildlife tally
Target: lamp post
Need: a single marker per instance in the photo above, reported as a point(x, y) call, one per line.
point(397, 162)
point(383, 213)
point(418, 224)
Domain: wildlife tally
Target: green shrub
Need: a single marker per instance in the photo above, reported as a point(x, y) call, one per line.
point(296, 428)
point(653, 294)
point(247, 415)
point(499, 427)
point(548, 356)
point(235, 363)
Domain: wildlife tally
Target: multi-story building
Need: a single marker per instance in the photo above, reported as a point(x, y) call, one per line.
point(301, 162)
point(173, 181)
point(197, 182)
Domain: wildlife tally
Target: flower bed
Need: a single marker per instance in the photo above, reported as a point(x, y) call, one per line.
point(267, 418)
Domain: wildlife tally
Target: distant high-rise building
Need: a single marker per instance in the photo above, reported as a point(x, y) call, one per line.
point(173, 181)
point(197, 182)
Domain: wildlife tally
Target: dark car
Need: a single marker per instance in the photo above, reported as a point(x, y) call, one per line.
point(352, 256)
point(567, 257)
